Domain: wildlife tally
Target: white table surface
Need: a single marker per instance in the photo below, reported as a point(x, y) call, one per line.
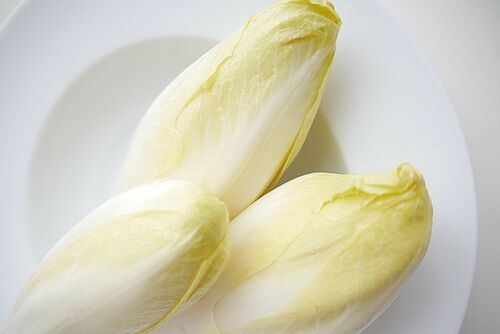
point(461, 38)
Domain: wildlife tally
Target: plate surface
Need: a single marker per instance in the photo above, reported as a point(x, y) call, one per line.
point(76, 76)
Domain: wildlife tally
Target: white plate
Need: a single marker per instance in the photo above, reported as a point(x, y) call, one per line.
point(75, 77)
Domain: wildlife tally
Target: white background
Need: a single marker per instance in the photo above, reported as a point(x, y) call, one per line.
point(462, 40)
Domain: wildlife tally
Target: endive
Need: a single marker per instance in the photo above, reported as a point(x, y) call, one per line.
point(129, 265)
point(321, 254)
point(236, 118)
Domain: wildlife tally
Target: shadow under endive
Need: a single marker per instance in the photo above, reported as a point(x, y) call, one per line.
point(320, 152)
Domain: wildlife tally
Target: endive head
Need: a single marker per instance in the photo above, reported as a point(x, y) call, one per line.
point(129, 265)
point(235, 119)
point(321, 254)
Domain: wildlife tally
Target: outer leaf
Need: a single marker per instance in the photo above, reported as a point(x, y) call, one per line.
point(129, 265)
point(321, 254)
point(235, 119)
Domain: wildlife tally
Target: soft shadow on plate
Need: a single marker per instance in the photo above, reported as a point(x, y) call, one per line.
point(84, 139)
point(320, 152)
